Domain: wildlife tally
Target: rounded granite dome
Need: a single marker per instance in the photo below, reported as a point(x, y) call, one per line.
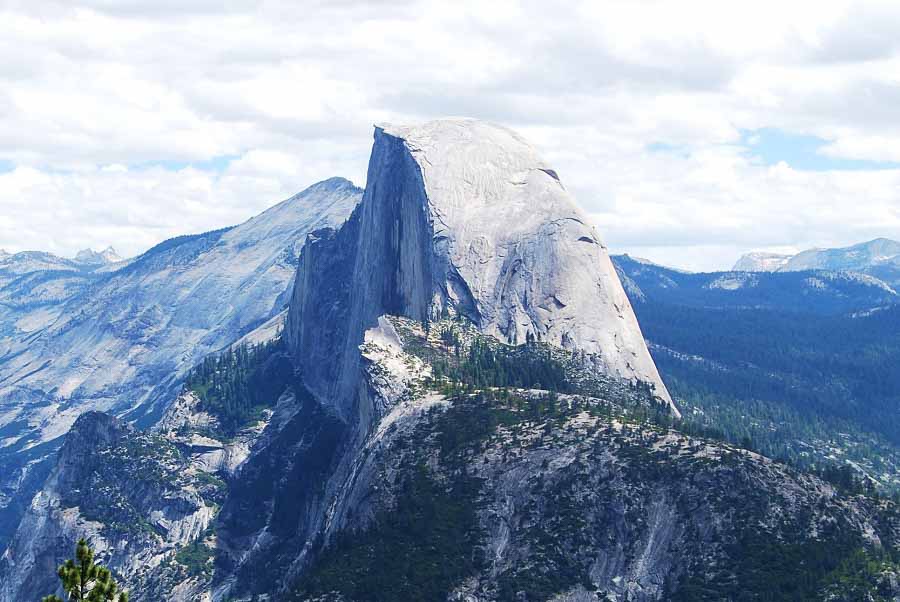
point(464, 215)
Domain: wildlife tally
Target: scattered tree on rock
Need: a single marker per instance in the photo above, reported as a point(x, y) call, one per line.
point(86, 581)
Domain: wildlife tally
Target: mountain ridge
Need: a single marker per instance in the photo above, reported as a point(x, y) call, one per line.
point(879, 257)
point(819, 291)
point(91, 257)
point(121, 340)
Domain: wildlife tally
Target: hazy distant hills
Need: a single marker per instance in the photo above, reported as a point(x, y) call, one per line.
point(816, 291)
point(879, 258)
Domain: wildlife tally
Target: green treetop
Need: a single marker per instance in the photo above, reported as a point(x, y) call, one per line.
point(86, 581)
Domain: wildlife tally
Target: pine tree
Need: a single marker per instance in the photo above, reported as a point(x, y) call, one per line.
point(86, 581)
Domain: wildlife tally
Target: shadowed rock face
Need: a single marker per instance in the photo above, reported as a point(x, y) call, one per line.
point(91, 432)
point(461, 216)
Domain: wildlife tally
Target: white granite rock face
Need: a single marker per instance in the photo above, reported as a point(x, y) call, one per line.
point(120, 337)
point(129, 339)
point(462, 216)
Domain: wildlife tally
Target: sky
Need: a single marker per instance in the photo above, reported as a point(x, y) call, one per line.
point(690, 132)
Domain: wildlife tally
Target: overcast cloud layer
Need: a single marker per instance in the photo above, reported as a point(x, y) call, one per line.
point(125, 122)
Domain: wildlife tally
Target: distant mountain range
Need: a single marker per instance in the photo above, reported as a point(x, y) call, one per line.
point(816, 291)
point(803, 363)
point(879, 258)
point(36, 278)
point(33, 261)
point(91, 257)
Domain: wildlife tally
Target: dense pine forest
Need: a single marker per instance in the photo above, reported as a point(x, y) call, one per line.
point(795, 386)
point(239, 383)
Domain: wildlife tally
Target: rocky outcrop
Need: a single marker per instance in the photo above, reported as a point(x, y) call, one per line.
point(132, 495)
point(28, 565)
point(147, 502)
point(191, 428)
point(594, 509)
point(460, 217)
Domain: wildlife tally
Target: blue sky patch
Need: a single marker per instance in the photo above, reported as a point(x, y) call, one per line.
point(802, 152)
point(6, 166)
point(666, 148)
point(215, 164)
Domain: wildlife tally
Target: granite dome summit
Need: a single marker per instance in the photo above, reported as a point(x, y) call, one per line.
point(463, 216)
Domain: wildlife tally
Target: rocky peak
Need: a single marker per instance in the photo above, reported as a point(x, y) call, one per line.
point(761, 261)
point(859, 257)
point(335, 183)
point(91, 257)
point(91, 432)
point(461, 217)
point(96, 429)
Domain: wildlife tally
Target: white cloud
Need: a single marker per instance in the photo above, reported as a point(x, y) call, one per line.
point(97, 96)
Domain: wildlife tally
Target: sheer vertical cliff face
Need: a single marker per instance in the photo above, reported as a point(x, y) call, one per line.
point(461, 216)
